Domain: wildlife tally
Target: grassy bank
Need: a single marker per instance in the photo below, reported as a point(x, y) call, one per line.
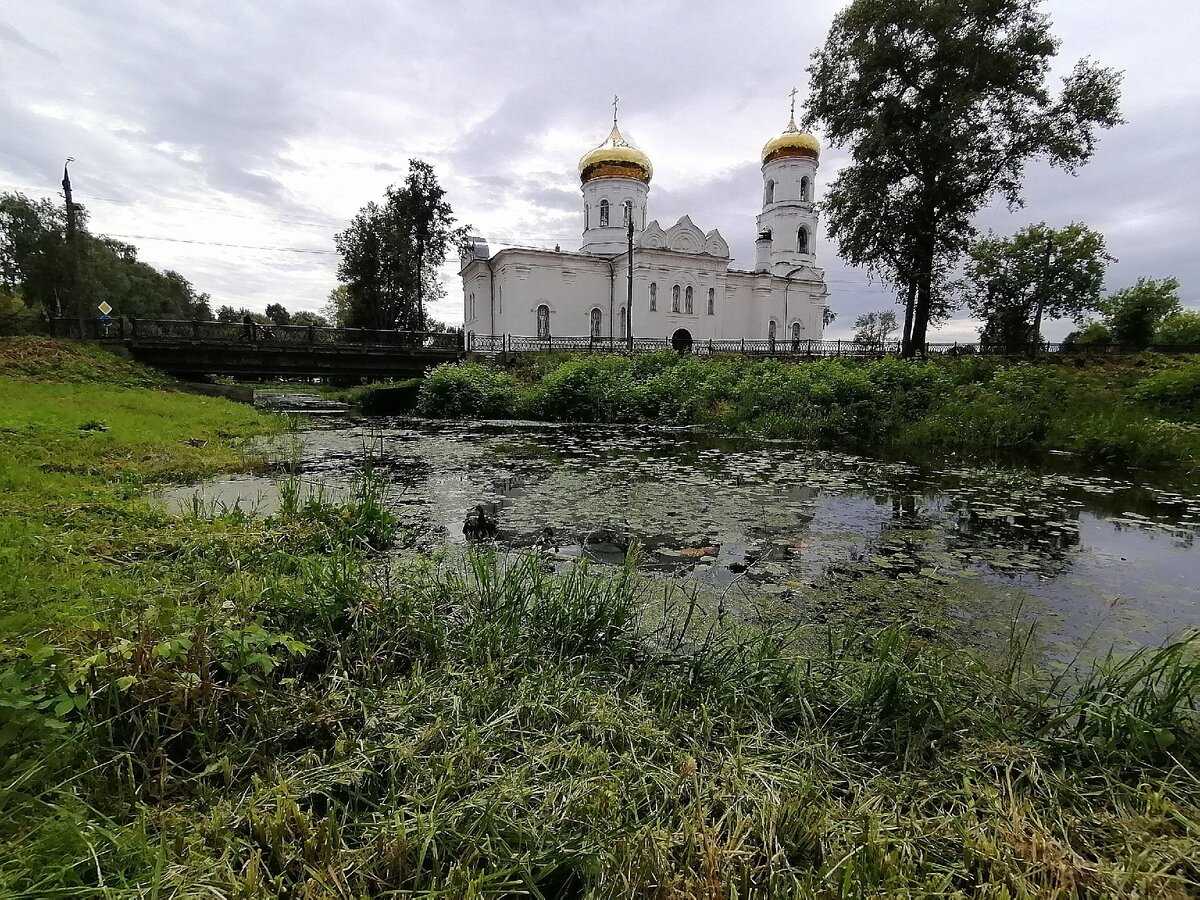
point(220, 705)
point(1137, 412)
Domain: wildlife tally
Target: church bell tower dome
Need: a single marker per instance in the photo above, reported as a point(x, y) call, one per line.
point(793, 142)
point(615, 158)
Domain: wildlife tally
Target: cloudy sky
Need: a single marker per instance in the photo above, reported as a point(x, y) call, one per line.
point(231, 145)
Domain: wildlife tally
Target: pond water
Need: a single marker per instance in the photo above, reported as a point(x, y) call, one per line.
point(1095, 561)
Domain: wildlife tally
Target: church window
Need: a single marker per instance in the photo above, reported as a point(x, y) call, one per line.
point(804, 189)
point(587, 216)
point(687, 301)
point(675, 298)
point(712, 300)
point(471, 306)
point(627, 214)
point(603, 213)
point(769, 193)
point(771, 333)
point(624, 333)
point(500, 299)
point(653, 296)
point(795, 333)
point(543, 321)
point(596, 321)
point(802, 240)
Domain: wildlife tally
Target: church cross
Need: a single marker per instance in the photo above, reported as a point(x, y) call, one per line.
point(792, 94)
point(616, 100)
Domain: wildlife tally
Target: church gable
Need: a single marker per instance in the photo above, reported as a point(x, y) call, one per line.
point(684, 237)
point(652, 237)
point(715, 245)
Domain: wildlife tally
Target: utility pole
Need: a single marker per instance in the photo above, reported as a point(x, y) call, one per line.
point(629, 299)
point(74, 296)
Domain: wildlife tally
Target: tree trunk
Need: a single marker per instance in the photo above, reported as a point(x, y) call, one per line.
point(1035, 344)
point(906, 337)
point(924, 274)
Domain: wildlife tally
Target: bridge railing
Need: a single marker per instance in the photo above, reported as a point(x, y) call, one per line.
point(167, 331)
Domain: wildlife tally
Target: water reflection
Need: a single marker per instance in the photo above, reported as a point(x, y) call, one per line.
point(778, 518)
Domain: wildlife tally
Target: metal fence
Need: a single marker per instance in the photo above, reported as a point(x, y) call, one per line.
point(496, 344)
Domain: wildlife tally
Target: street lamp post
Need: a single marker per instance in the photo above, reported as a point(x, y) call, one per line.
point(629, 295)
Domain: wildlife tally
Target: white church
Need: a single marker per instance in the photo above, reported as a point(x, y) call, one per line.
point(683, 287)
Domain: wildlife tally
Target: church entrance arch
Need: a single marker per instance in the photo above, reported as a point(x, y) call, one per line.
point(681, 341)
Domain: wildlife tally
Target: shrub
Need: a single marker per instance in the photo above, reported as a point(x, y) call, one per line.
point(1092, 336)
point(461, 390)
point(1179, 330)
point(1177, 387)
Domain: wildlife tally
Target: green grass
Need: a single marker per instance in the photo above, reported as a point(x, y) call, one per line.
point(229, 706)
point(1138, 412)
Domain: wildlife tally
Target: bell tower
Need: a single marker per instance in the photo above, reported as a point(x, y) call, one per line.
point(787, 225)
point(615, 182)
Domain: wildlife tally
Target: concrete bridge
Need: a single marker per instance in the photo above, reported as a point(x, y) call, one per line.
point(250, 350)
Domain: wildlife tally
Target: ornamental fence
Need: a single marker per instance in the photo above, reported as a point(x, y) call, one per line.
point(499, 344)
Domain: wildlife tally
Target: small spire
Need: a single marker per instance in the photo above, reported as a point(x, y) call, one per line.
point(615, 138)
point(792, 113)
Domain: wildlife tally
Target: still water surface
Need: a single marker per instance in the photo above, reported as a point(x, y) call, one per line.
point(1095, 561)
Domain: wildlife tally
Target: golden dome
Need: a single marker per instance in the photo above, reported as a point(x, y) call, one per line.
point(615, 158)
point(793, 142)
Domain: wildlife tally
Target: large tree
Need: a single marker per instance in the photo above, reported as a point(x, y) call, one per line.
point(1012, 283)
point(391, 253)
point(874, 329)
point(943, 103)
point(1134, 314)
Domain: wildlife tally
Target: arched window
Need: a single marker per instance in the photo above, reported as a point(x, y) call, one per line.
point(687, 301)
point(675, 298)
point(627, 212)
point(653, 296)
point(769, 192)
point(587, 217)
point(712, 300)
point(624, 333)
point(795, 335)
point(471, 306)
point(603, 213)
point(543, 321)
point(804, 188)
point(802, 240)
point(771, 334)
point(597, 318)
point(500, 298)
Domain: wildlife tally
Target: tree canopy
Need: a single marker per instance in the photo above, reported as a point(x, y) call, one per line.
point(33, 267)
point(1011, 283)
point(391, 252)
point(942, 103)
point(1134, 314)
point(875, 328)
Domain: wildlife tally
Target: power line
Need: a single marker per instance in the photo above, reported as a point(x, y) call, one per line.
point(152, 237)
point(199, 206)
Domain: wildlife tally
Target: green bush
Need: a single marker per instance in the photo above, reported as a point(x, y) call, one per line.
point(462, 390)
point(1174, 388)
point(968, 404)
point(1179, 330)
